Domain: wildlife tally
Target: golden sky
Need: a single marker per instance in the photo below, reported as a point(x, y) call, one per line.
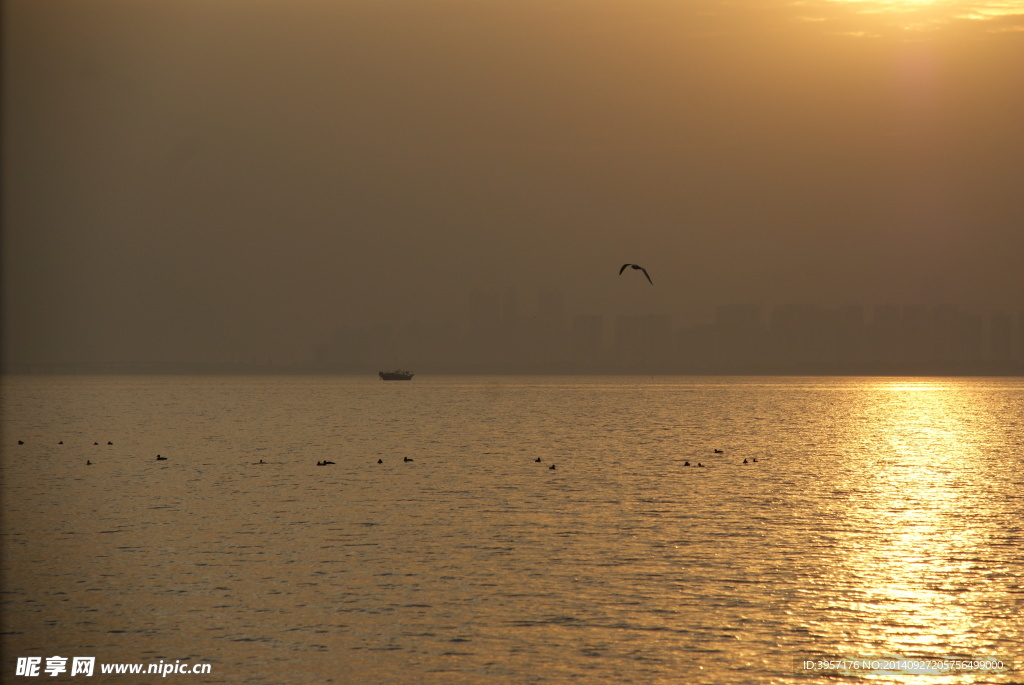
point(180, 171)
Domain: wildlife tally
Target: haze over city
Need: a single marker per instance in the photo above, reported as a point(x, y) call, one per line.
point(220, 182)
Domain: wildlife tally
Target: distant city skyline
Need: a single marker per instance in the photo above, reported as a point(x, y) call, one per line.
point(741, 338)
point(498, 334)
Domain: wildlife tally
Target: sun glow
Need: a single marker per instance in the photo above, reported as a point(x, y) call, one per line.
point(930, 15)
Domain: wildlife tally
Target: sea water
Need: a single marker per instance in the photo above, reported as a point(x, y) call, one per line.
point(543, 529)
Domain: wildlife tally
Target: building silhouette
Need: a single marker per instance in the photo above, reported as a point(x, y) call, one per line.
point(741, 338)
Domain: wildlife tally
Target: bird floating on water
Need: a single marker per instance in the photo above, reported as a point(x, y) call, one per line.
point(537, 460)
point(552, 467)
point(638, 267)
point(406, 459)
point(159, 458)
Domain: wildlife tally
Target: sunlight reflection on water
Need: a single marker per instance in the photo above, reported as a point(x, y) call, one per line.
point(883, 516)
point(927, 521)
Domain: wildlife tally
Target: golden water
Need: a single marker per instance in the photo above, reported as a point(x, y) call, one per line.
point(883, 517)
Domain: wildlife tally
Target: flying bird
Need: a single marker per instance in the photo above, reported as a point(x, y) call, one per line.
point(637, 266)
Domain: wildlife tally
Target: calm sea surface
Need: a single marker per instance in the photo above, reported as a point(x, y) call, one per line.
point(883, 517)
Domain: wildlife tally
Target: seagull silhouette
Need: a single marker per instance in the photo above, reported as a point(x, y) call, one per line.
point(637, 266)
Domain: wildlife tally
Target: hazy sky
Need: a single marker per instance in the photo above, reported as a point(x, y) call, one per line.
point(188, 179)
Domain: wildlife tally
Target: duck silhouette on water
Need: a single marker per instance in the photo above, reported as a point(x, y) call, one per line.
point(159, 458)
